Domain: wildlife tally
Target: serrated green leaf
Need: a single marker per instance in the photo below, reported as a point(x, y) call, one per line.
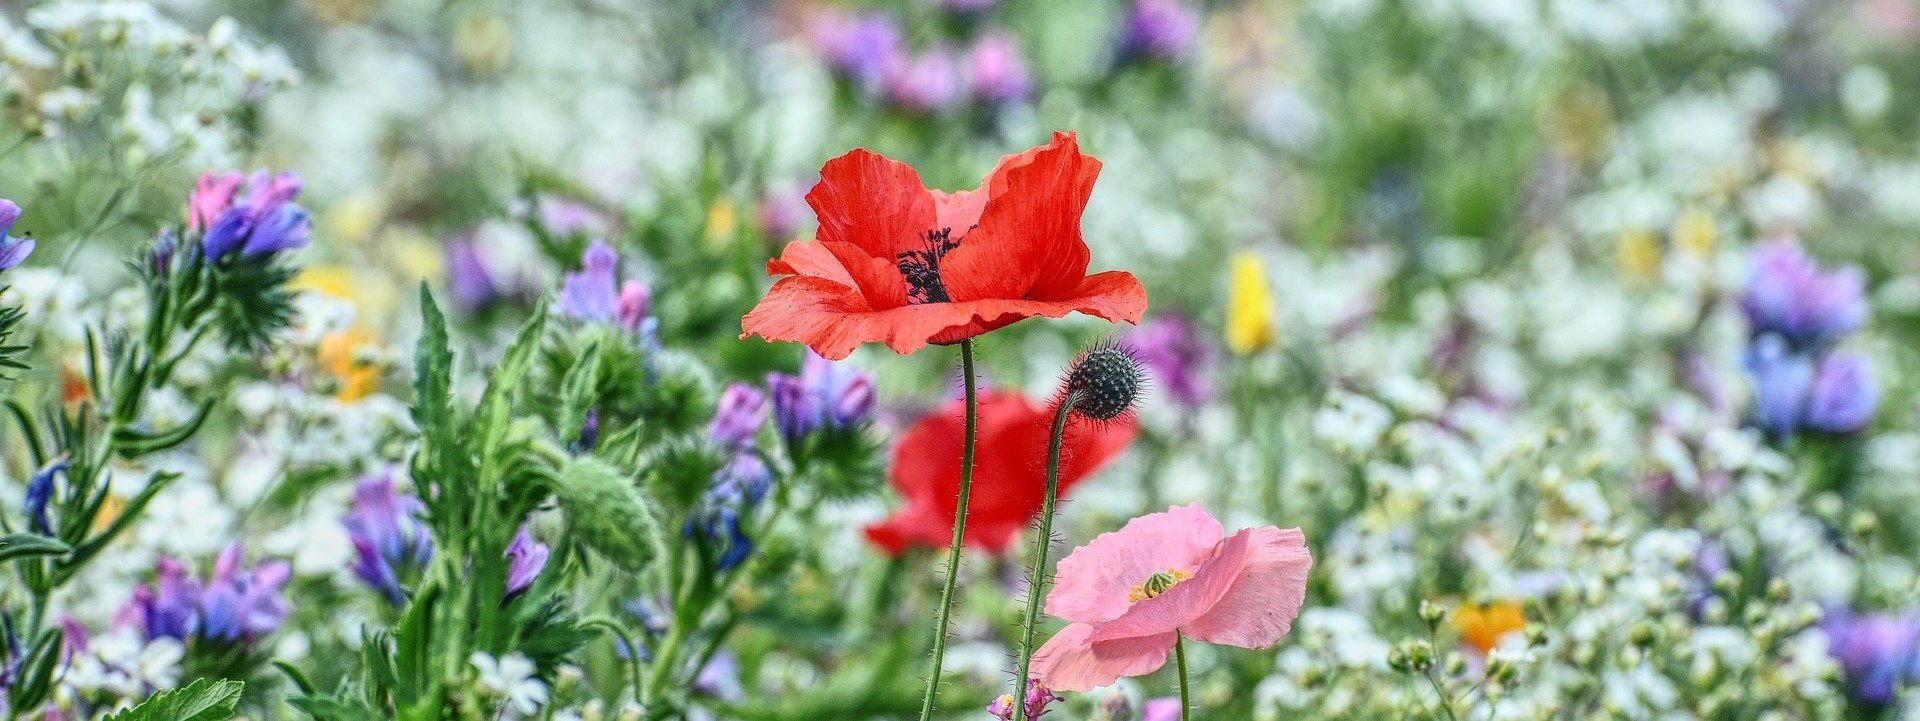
point(202, 700)
point(494, 415)
point(432, 367)
point(578, 391)
point(29, 545)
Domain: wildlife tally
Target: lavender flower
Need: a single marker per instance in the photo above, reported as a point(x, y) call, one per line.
point(1844, 397)
point(243, 604)
point(1788, 295)
point(565, 217)
point(1782, 380)
point(826, 393)
point(924, 83)
point(997, 71)
point(857, 48)
point(1036, 700)
point(40, 495)
point(261, 221)
point(1878, 652)
point(1158, 30)
point(595, 295)
point(525, 559)
point(467, 278)
point(742, 409)
point(1160, 709)
point(1178, 356)
point(736, 489)
point(386, 531)
point(13, 251)
point(169, 608)
point(780, 214)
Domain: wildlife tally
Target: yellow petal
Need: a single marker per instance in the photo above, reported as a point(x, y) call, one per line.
point(1249, 306)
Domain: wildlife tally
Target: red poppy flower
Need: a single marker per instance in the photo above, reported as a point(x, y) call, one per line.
point(899, 264)
point(1010, 472)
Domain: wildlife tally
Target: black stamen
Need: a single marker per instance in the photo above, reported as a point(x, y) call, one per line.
point(922, 267)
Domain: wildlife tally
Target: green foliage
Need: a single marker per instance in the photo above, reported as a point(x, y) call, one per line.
point(28, 545)
point(202, 700)
point(10, 354)
point(608, 513)
point(253, 300)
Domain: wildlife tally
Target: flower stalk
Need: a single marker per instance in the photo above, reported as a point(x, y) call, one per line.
point(959, 533)
point(1037, 579)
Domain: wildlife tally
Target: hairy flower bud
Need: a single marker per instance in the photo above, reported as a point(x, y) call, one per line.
point(609, 514)
point(1105, 383)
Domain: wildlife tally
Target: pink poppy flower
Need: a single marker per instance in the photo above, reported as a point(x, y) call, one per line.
point(1132, 593)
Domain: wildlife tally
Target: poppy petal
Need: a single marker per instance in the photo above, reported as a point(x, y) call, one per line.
point(1187, 600)
point(1073, 661)
point(833, 319)
point(1028, 243)
point(1260, 607)
point(873, 202)
point(1093, 582)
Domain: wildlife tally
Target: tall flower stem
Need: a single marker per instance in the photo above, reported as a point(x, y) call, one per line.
point(1037, 580)
point(959, 534)
point(1180, 663)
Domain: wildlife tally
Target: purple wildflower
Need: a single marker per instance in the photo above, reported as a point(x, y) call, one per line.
point(594, 294)
point(997, 71)
point(720, 678)
point(858, 47)
point(1036, 701)
point(1877, 651)
point(386, 531)
point(1782, 380)
point(169, 608)
point(742, 408)
point(826, 393)
point(1158, 30)
point(1844, 397)
point(1178, 356)
point(736, 489)
point(468, 281)
point(1160, 709)
point(924, 83)
point(40, 495)
point(526, 558)
point(261, 221)
point(1789, 295)
point(13, 251)
point(565, 218)
point(240, 603)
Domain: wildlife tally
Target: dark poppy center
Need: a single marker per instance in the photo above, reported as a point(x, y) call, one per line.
point(921, 268)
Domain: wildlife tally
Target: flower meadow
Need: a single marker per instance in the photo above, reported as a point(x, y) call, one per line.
point(1102, 360)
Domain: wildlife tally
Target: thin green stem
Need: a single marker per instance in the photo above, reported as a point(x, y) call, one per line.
point(1180, 662)
point(959, 534)
point(1037, 580)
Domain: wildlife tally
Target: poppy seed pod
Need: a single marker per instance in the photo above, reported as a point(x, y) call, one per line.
point(1105, 383)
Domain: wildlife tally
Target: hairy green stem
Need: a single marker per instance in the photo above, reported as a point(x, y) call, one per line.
point(1180, 662)
point(959, 534)
point(1037, 579)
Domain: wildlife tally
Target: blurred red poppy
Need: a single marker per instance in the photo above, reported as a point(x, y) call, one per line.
point(899, 264)
point(1009, 480)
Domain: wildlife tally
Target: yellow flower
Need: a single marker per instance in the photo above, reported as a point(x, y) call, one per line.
point(722, 220)
point(341, 353)
point(1639, 254)
point(1694, 233)
point(1482, 625)
point(1249, 306)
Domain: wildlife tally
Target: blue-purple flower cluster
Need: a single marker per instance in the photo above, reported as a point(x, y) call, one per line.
point(1799, 314)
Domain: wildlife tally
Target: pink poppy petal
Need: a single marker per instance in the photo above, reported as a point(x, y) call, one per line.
point(1185, 601)
point(1071, 661)
point(1260, 607)
point(1092, 583)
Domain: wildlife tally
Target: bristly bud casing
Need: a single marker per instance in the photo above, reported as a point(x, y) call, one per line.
point(1105, 383)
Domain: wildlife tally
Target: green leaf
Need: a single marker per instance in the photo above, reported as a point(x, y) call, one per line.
point(609, 514)
point(432, 367)
point(494, 415)
point(133, 444)
point(29, 545)
point(578, 392)
point(202, 700)
point(334, 708)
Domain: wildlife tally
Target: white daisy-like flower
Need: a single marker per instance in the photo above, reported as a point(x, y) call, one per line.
point(511, 678)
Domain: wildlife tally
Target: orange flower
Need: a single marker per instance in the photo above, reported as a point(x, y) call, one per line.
point(1482, 625)
point(899, 264)
point(338, 352)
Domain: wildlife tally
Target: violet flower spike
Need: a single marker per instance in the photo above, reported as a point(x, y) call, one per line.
point(526, 558)
point(262, 222)
point(742, 409)
point(13, 251)
point(1844, 397)
point(1787, 294)
point(388, 535)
